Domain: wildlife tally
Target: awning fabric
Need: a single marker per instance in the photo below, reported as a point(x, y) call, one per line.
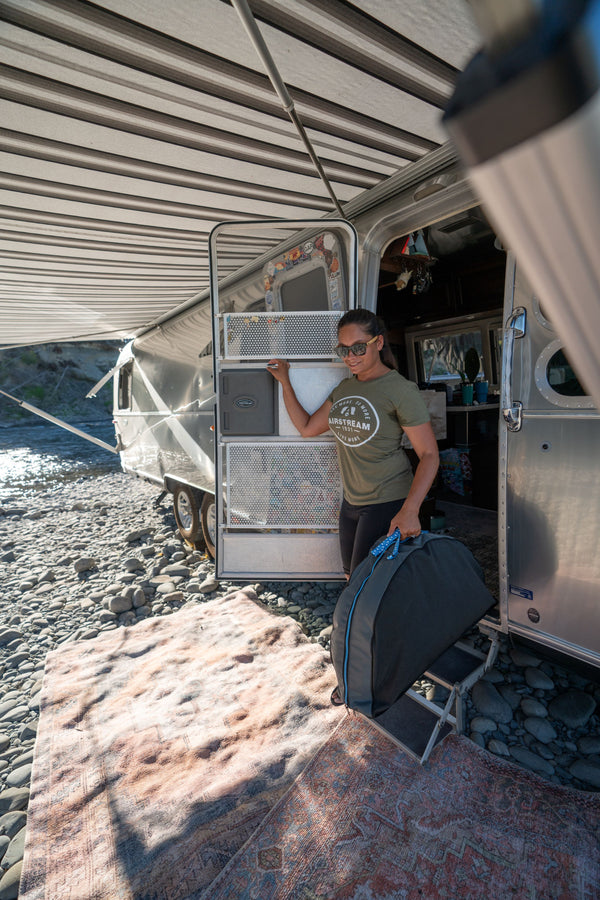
point(129, 130)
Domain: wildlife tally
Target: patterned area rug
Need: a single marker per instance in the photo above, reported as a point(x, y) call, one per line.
point(365, 822)
point(162, 747)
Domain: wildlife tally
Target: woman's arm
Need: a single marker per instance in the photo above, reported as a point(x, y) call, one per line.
point(425, 446)
point(307, 425)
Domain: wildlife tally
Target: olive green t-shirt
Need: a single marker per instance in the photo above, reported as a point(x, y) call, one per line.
point(367, 418)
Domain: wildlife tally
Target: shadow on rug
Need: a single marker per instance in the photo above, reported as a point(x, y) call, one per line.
point(364, 821)
point(162, 747)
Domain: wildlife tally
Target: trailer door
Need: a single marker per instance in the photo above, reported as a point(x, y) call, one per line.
point(550, 486)
point(278, 495)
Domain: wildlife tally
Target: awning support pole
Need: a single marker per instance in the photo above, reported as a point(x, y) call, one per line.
point(59, 422)
point(249, 23)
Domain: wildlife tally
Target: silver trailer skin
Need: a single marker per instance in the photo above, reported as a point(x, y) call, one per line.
point(179, 388)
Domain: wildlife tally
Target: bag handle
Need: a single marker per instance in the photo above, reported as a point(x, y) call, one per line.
point(392, 540)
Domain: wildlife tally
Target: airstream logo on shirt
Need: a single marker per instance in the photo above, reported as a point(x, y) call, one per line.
point(353, 420)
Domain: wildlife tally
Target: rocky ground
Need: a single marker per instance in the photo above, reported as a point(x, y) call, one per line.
point(97, 554)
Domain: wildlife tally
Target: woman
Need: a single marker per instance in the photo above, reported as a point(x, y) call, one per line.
point(367, 413)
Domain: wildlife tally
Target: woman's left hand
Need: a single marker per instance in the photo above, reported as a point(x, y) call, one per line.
point(407, 522)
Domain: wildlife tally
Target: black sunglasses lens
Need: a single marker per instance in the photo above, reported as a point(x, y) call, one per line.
point(356, 350)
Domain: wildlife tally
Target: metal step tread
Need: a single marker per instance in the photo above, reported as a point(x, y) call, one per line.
point(455, 664)
point(410, 724)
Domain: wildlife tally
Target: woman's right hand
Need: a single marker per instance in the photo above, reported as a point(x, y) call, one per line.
point(279, 369)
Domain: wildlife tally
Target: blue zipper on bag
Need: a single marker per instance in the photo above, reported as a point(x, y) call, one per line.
point(377, 552)
point(393, 540)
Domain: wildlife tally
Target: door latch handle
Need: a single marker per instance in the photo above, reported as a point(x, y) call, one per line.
point(513, 416)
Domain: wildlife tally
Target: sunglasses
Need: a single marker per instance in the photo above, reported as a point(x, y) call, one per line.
point(356, 349)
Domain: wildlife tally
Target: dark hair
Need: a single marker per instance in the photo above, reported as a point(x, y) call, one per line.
point(373, 325)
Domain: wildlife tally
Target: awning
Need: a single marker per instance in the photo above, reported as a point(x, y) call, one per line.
point(129, 130)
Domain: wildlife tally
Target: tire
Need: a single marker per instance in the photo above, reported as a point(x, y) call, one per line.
point(187, 503)
point(208, 522)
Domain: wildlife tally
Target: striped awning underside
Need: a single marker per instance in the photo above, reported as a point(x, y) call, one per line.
point(129, 130)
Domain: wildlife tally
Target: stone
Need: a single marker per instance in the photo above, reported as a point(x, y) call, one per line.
point(16, 714)
point(4, 844)
point(482, 724)
point(174, 597)
point(9, 704)
point(19, 777)
point(193, 587)
point(176, 569)
point(533, 707)
point(132, 564)
point(166, 587)
point(84, 564)
point(119, 604)
point(589, 744)
point(489, 702)
point(9, 883)
point(541, 729)
point(15, 850)
point(209, 585)
point(586, 771)
point(4, 742)
point(138, 598)
point(498, 747)
point(573, 708)
point(531, 761)
point(14, 798)
point(538, 680)
point(9, 634)
point(522, 658)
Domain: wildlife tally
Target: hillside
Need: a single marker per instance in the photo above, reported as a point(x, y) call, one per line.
point(56, 378)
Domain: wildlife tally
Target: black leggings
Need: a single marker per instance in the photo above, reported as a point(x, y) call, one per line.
point(360, 526)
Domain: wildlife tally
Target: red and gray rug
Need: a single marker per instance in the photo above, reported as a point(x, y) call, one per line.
point(365, 822)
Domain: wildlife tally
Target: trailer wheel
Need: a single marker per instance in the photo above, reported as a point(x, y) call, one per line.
point(208, 518)
point(187, 502)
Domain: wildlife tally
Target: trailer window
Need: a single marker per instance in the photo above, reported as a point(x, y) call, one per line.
point(561, 377)
point(124, 394)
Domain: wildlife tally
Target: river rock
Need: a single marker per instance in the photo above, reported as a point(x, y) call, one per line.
point(541, 729)
point(489, 703)
point(538, 680)
point(533, 707)
point(84, 564)
point(498, 747)
point(14, 798)
point(15, 850)
point(589, 744)
point(9, 883)
point(586, 771)
point(523, 658)
point(573, 708)
point(209, 585)
point(120, 604)
point(531, 760)
point(481, 724)
point(19, 777)
point(9, 634)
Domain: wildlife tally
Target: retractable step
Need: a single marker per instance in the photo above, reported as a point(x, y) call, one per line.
point(417, 724)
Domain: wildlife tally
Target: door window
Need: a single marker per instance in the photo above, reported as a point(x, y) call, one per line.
point(561, 377)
